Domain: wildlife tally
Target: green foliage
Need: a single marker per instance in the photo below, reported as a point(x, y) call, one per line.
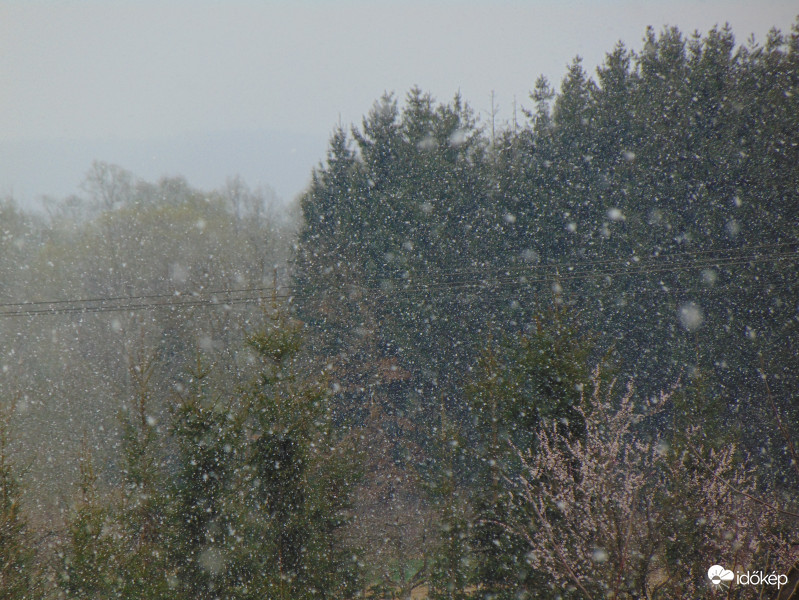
point(91, 563)
point(658, 197)
point(16, 550)
point(663, 185)
point(519, 386)
point(142, 513)
point(539, 376)
point(452, 558)
point(207, 434)
point(396, 218)
point(299, 476)
point(244, 494)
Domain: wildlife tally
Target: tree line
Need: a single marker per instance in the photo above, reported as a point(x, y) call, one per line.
point(554, 360)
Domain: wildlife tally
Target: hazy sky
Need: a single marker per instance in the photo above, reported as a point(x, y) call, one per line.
point(208, 89)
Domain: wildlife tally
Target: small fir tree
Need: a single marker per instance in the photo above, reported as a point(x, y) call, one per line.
point(143, 511)
point(16, 555)
point(203, 536)
point(91, 563)
point(299, 474)
point(450, 571)
point(520, 385)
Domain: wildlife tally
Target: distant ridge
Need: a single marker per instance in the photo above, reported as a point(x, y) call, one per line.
point(282, 160)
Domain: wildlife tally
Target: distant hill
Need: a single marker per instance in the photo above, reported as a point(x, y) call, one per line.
point(55, 167)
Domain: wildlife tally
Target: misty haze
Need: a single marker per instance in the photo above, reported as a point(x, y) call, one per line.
point(518, 345)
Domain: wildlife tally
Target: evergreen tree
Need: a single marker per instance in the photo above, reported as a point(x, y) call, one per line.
point(16, 554)
point(452, 560)
point(93, 554)
point(142, 513)
point(299, 477)
point(203, 523)
point(381, 233)
point(518, 387)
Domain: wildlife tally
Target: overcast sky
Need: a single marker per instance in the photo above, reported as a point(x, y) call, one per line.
point(209, 89)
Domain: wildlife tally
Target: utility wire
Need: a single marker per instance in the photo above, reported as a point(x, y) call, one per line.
point(635, 258)
point(482, 283)
point(566, 266)
point(234, 296)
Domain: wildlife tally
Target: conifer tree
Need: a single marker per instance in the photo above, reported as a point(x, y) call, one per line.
point(299, 475)
point(91, 563)
point(16, 554)
point(142, 513)
point(203, 523)
point(452, 560)
point(520, 385)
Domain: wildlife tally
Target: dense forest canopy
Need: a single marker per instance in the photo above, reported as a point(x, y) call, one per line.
point(658, 200)
point(551, 358)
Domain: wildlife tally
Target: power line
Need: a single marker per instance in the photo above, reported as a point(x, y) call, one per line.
point(503, 280)
point(230, 300)
point(566, 266)
point(262, 300)
point(175, 294)
point(635, 259)
point(574, 272)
